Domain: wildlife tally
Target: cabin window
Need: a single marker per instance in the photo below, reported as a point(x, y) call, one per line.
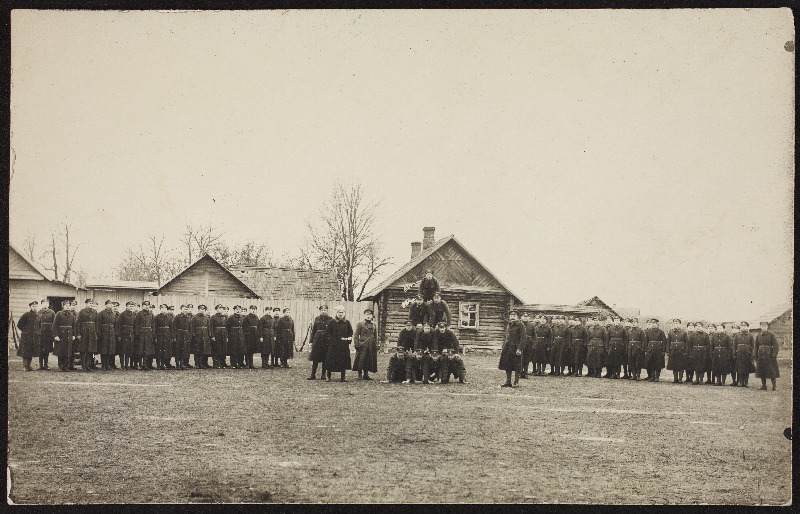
point(469, 314)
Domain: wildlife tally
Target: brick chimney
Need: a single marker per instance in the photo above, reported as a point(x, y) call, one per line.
point(427, 238)
point(416, 247)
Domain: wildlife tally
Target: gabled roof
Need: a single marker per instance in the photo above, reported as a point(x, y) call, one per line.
point(597, 302)
point(39, 269)
point(122, 284)
point(289, 283)
point(775, 312)
point(424, 254)
point(215, 261)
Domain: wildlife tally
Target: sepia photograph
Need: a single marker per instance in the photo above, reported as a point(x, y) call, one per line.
point(401, 257)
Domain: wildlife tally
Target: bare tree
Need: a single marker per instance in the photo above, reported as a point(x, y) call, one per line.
point(150, 261)
point(248, 254)
point(69, 258)
point(52, 252)
point(200, 240)
point(29, 246)
point(344, 240)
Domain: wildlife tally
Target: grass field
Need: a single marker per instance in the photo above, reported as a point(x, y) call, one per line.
point(272, 436)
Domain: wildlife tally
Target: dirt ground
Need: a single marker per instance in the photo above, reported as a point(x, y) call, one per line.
point(272, 436)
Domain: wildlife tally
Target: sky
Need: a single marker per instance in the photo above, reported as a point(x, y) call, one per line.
point(645, 157)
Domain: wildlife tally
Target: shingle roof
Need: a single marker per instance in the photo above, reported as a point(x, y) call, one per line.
point(204, 256)
point(122, 284)
point(288, 283)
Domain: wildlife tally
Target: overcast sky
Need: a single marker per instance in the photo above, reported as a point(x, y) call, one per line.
point(644, 157)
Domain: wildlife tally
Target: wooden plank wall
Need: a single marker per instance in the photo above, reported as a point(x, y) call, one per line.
point(193, 281)
point(22, 292)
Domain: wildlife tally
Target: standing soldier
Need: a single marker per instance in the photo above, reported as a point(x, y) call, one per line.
point(143, 337)
point(527, 350)
point(219, 338)
point(266, 328)
point(578, 337)
point(169, 350)
point(699, 353)
point(251, 336)
point(677, 350)
point(87, 334)
point(595, 348)
point(115, 310)
point(720, 354)
point(106, 336)
point(425, 349)
point(123, 330)
point(617, 338)
point(162, 327)
point(541, 339)
point(201, 340)
point(396, 369)
point(512, 349)
point(439, 311)
point(64, 329)
point(450, 361)
point(655, 344)
point(340, 333)
point(28, 325)
point(181, 330)
point(319, 341)
point(690, 329)
point(743, 343)
point(558, 346)
point(428, 286)
point(46, 317)
point(285, 338)
point(766, 353)
point(635, 349)
point(276, 316)
point(365, 339)
point(236, 337)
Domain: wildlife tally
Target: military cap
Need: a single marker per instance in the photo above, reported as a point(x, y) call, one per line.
point(689, 323)
point(73, 302)
point(429, 270)
point(634, 320)
point(408, 322)
point(170, 307)
point(441, 324)
point(426, 324)
point(653, 320)
point(744, 324)
point(323, 307)
point(268, 309)
point(109, 302)
point(276, 309)
point(201, 306)
point(146, 303)
point(712, 325)
point(129, 303)
point(65, 302)
point(368, 311)
point(226, 308)
point(286, 309)
point(116, 304)
point(735, 325)
point(254, 307)
point(576, 318)
point(698, 324)
point(33, 303)
point(190, 306)
point(237, 307)
point(437, 293)
point(87, 301)
point(764, 323)
point(515, 313)
point(219, 306)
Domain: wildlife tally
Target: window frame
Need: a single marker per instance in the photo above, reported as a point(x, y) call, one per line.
point(461, 304)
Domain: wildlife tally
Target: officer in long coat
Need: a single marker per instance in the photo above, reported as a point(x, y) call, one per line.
point(182, 332)
point(578, 340)
point(558, 345)
point(743, 342)
point(201, 339)
point(595, 347)
point(171, 347)
point(251, 336)
point(527, 348)
point(28, 326)
point(766, 353)
point(162, 328)
point(541, 341)
point(106, 336)
point(236, 337)
point(677, 350)
point(285, 337)
point(72, 310)
point(64, 330)
point(144, 346)
point(700, 353)
point(340, 333)
point(617, 340)
point(365, 339)
point(46, 317)
point(219, 338)
point(87, 334)
point(450, 360)
point(635, 349)
point(512, 349)
point(266, 328)
point(123, 330)
point(655, 347)
point(276, 316)
point(116, 313)
point(319, 341)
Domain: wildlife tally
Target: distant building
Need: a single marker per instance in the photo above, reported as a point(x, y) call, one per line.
point(206, 277)
point(120, 290)
point(780, 324)
point(603, 309)
point(27, 282)
point(550, 310)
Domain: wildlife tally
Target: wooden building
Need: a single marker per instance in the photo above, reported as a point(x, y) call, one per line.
point(288, 283)
point(602, 307)
point(478, 300)
point(206, 277)
point(27, 281)
point(550, 310)
point(780, 324)
point(121, 291)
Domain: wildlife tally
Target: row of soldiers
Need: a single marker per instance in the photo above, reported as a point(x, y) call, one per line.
point(140, 338)
point(622, 346)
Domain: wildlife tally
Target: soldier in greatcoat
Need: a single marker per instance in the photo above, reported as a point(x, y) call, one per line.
point(635, 349)
point(578, 339)
point(28, 325)
point(365, 340)
point(201, 339)
point(766, 354)
point(143, 346)
point(541, 340)
point(439, 311)
point(87, 334)
point(699, 353)
point(512, 349)
point(319, 341)
point(558, 345)
point(72, 310)
point(123, 330)
point(677, 350)
point(116, 313)
point(266, 327)
point(251, 336)
point(182, 332)
point(595, 347)
point(219, 338)
point(527, 349)
point(690, 329)
point(450, 360)
point(743, 342)
point(106, 336)
point(236, 337)
point(46, 317)
point(396, 369)
point(285, 337)
point(162, 328)
point(170, 349)
point(617, 340)
point(340, 333)
point(655, 345)
point(64, 336)
point(721, 354)
point(276, 316)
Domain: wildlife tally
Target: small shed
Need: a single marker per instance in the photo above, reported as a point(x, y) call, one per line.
point(602, 307)
point(120, 290)
point(27, 282)
point(549, 310)
point(289, 283)
point(206, 277)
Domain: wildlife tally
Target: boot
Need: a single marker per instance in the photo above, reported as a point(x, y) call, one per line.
point(516, 379)
point(462, 377)
point(658, 375)
point(314, 371)
point(265, 364)
point(773, 384)
point(343, 379)
point(26, 364)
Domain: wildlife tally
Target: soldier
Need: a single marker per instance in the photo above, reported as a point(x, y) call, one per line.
point(143, 337)
point(655, 344)
point(319, 341)
point(236, 337)
point(87, 334)
point(428, 286)
point(219, 338)
point(365, 341)
point(285, 338)
point(181, 331)
point(439, 311)
point(169, 349)
point(266, 328)
point(527, 350)
point(766, 354)
point(425, 349)
point(340, 333)
point(743, 343)
point(396, 369)
point(450, 361)
point(162, 328)
point(417, 312)
point(578, 338)
point(595, 348)
point(64, 335)
point(123, 331)
point(251, 336)
point(677, 350)
point(201, 340)
point(617, 338)
point(28, 325)
point(541, 341)
point(699, 352)
point(115, 311)
point(558, 346)
point(106, 336)
point(44, 341)
point(512, 349)
point(276, 316)
point(635, 349)
point(720, 354)
point(690, 329)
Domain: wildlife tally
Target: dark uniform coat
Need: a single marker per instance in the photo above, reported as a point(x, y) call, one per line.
point(617, 338)
point(340, 333)
point(182, 331)
point(677, 349)
point(284, 338)
point(319, 338)
point(655, 346)
point(700, 352)
point(266, 328)
point(28, 325)
point(541, 342)
point(559, 347)
point(251, 334)
point(235, 334)
point(635, 349)
point(427, 288)
point(595, 347)
point(514, 340)
point(366, 343)
point(106, 333)
point(766, 353)
point(449, 362)
point(440, 311)
point(46, 318)
point(417, 313)
point(143, 333)
point(163, 335)
point(87, 330)
point(406, 339)
point(200, 331)
point(743, 343)
point(124, 332)
point(577, 337)
point(721, 353)
point(219, 334)
point(64, 329)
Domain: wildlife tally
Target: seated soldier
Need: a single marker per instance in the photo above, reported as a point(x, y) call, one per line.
point(449, 361)
point(396, 370)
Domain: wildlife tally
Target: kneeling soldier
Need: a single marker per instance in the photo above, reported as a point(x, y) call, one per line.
point(396, 370)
